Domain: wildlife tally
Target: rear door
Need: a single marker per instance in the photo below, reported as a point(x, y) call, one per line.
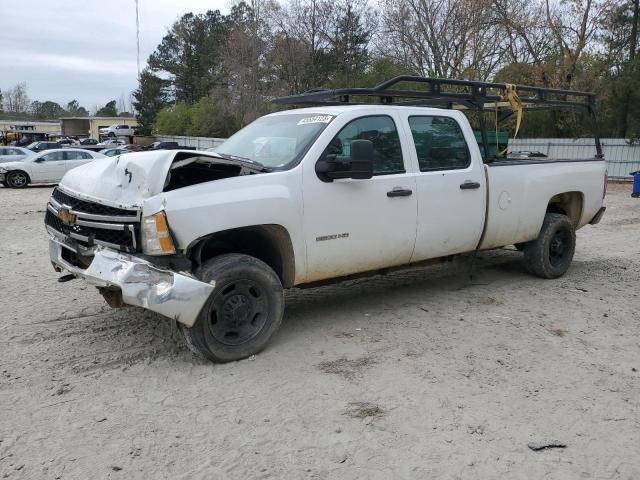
point(451, 186)
point(75, 159)
point(359, 225)
point(50, 167)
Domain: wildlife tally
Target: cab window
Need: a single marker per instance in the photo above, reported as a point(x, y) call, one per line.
point(381, 131)
point(439, 142)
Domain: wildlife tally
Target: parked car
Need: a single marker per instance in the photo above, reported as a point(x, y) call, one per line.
point(117, 131)
point(112, 152)
point(44, 167)
point(66, 141)
point(133, 147)
point(312, 195)
point(88, 141)
point(12, 154)
point(526, 154)
point(112, 143)
point(168, 146)
point(42, 146)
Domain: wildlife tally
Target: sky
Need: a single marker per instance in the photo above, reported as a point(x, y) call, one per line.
point(84, 49)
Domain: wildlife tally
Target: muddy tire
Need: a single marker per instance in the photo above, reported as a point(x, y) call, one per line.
point(550, 255)
point(17, 179)
point(243, 312)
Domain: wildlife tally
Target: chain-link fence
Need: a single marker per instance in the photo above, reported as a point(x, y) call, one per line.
point(622, 156)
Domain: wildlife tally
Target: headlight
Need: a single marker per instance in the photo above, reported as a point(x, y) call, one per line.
point(156, 238)
point(3, 170)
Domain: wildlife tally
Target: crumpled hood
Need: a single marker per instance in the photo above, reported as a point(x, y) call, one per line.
point(122, 181)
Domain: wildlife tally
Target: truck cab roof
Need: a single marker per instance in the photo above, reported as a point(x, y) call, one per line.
point(373, 108)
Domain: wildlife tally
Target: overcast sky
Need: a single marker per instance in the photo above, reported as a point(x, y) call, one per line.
point(84, 49)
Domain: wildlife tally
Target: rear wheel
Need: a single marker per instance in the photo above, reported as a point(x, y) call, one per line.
point(17, 179)
point(550, 255)
point(243, 312)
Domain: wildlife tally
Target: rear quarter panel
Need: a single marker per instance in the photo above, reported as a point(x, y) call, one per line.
point(519, 195)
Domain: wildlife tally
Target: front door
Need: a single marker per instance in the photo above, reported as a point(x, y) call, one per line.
point(451, 187)
point(50, 167)
point(360, 225)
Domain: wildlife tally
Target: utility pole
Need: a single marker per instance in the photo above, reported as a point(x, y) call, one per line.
point(138, 37)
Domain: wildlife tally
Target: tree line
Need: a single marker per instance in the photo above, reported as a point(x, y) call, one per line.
point(213, 73)
point(15, 104)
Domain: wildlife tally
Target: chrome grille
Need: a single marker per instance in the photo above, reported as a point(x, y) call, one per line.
point(90, 223)
point(90, 207)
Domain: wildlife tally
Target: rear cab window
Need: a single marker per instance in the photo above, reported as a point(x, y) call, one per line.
point(439, 143)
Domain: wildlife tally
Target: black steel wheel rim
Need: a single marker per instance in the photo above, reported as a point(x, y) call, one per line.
point(238, 312)
point(18, 179)
point(559, 247)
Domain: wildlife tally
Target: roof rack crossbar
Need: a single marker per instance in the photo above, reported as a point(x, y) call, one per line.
point(474, 95)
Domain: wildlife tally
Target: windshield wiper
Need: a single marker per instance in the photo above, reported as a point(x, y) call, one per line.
point(258, 165)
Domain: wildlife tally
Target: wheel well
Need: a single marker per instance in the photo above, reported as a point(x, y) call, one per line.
point(269, 243)
point(567, 203)
point(20, 171)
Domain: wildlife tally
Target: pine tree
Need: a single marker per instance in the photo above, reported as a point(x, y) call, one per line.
point(149, 98)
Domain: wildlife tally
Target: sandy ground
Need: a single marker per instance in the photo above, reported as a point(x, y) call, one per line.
point(422, 374)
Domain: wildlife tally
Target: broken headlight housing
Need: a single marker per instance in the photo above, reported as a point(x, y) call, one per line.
point(156, 237)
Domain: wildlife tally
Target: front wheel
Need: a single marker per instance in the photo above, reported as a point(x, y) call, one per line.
point(243, 312)
point(550, 255)
point(17, 179)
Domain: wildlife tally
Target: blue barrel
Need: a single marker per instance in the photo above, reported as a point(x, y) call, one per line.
point(636, 184)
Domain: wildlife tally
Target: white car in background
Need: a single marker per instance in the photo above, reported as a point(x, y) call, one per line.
point(113, 152)
point(113, 143)
point(12, 154)
point(48, 166)
point(117, 131)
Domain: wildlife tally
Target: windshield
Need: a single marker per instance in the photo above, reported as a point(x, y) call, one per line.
point(277, 141)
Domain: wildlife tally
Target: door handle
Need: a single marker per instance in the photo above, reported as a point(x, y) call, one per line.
point(468, 185)
point(399, 192)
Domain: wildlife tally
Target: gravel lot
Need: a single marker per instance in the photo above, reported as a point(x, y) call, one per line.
point(422, 374)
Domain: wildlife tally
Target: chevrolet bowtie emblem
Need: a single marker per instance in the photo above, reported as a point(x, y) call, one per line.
point(66, 216)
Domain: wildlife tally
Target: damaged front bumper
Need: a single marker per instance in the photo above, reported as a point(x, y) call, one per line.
point(124, 279)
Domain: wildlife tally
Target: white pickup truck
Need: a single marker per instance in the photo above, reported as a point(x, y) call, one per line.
point(117, 130)
point(298, 197)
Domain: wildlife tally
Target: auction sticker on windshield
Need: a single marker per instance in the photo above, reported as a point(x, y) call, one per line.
point(315, 119)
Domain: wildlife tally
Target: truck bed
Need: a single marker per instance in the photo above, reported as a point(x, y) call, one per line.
point(529, 161)
point(518, 197)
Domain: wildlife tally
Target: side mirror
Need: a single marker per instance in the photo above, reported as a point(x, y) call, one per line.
point(358, 165)
point(39, 160)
